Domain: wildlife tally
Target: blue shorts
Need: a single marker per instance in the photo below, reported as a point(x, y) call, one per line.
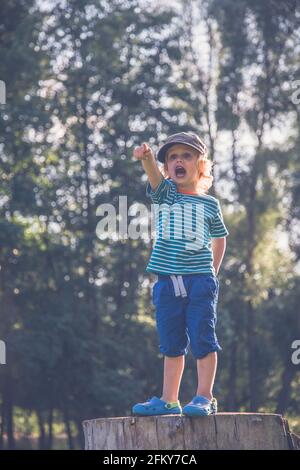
point(186, 314)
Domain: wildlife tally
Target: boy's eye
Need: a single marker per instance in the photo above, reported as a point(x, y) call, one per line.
point(186, 156)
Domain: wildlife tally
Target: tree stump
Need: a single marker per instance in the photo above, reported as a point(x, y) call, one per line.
point(222, 431)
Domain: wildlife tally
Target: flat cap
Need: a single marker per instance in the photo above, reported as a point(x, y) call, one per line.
point(187, 138)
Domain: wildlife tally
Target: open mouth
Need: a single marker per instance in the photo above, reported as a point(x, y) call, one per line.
point(180, 171)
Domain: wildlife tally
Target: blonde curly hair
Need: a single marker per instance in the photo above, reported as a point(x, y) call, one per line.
point(204, 171)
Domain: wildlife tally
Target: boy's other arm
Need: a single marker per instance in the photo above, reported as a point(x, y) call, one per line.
point(146, 155)
point(218, 248)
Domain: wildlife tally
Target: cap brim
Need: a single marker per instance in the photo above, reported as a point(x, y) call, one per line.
point(161, 154)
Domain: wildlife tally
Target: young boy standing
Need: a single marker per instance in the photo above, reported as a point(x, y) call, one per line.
point(188, 251)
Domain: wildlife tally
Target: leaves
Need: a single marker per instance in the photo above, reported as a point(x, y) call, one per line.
point(87, 81)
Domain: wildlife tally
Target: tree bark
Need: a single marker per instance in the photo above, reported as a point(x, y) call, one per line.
point(224, 431)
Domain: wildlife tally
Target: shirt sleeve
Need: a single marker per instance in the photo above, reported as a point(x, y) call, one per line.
point(218, 228)
point(165, 192)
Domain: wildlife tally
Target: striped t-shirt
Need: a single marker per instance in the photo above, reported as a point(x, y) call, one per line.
point(184, 226)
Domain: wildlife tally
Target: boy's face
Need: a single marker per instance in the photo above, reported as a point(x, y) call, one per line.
point(181, 163)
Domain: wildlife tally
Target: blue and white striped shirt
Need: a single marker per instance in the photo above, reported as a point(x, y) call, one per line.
point(185, 225)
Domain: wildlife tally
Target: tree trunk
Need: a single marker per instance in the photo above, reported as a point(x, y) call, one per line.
point(80, 435)
point(2, 426)
point(286, 381)
point(10, 425)
point(231, 403)
point(252, 359)
point(69, 431)
point(8, 411)
point(50, 430)
point(42, 433)
point(224, 431)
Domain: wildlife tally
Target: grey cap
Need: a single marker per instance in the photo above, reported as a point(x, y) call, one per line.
point(187, 138)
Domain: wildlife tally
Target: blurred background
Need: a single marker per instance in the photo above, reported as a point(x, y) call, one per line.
point(86, 81)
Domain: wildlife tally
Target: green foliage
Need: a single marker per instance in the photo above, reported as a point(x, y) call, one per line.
point(86, 81)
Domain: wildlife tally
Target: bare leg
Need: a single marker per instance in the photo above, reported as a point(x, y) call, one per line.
point(206, 368)
point(173, 370)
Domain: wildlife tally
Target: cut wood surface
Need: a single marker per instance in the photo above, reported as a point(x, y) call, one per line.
point(222, 431)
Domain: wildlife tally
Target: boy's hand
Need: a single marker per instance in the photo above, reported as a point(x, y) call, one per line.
point(149, 163)
point(143, 152)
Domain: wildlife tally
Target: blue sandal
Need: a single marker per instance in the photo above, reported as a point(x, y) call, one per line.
point(201, 406)
point(155, 406)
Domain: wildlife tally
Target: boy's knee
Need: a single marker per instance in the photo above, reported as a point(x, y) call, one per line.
point(172, 353)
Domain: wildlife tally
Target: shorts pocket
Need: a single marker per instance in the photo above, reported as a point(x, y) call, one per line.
point(161, 293)
point(213, 284)
point(204, 286)
point(154, 291)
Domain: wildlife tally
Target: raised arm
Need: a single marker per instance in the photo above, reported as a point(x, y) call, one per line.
point(146, 155)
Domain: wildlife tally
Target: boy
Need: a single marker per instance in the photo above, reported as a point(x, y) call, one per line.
point(186, 292)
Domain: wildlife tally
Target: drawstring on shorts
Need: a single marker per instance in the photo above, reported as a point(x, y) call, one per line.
point(178, 285)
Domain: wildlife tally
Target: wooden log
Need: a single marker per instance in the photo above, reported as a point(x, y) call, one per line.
point(222, 431)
